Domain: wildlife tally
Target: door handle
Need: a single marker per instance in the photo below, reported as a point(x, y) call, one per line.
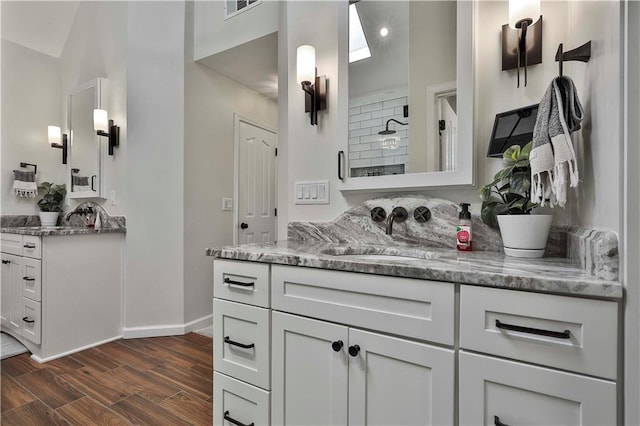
point(5, 262)
point(244, 225)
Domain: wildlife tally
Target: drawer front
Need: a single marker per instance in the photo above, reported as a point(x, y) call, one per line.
point(419, 309)
point(31, 246)
point(11, 243)
point(32, 279)
point(236, 402)
point(244, 282)
point(496, 391)
point(31, 320)
point(569, 333)
point(241, 348)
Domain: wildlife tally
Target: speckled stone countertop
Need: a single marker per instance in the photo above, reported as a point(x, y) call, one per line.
point(484, 268)
point(45, 231)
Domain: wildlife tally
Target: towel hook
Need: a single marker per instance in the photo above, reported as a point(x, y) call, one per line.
point(582, 54)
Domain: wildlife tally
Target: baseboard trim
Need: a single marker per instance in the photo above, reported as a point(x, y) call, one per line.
point(167, 330)
point(73, 351)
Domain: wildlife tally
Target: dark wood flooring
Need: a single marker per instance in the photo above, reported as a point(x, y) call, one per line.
point(151, 381)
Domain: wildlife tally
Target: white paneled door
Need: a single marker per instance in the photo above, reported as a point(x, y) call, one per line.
point(256, 187)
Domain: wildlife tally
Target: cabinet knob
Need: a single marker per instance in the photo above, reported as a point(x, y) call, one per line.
point(354, 350)
point(337, 345)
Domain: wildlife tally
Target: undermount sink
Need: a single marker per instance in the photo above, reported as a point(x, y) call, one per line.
point(381, 253)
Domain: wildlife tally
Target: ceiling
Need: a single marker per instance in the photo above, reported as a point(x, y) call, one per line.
point(253, 64)
point(39, 25)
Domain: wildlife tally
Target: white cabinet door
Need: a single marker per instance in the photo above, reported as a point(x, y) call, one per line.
point(398, 382)
point(12, 270)
point(309, 385)
point(500, 392)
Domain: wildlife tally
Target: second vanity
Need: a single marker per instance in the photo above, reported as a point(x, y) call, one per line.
point(61, 287)
point(343, 334)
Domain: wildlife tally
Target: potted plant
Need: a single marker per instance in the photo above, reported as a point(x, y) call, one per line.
point(506, 203)
point(51, 202)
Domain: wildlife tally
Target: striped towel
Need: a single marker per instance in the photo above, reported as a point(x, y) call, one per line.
point(24, 184)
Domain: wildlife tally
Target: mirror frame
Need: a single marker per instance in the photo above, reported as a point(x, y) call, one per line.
point(465, 172)
point(97, 85)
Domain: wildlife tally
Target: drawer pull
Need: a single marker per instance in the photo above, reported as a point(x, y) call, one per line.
point(240, 283)
point(6, 262)
point(240, 345)
point(557, 334)
point(337, 345)
point(28, 278)
point(230, 419)
point(28, 320)
point(29, 246)
point(497, 422)
point(354, 350)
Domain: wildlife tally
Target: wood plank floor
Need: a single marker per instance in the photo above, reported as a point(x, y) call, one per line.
point(151, 381)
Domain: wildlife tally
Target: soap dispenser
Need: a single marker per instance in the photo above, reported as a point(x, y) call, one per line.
point(464, 234)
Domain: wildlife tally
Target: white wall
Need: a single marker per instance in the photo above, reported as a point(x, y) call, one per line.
point(97, 47)
point(30, 103)
point(154, 271)
point(210, 102)
point(315, 150)
point(213, 33)
point(631, 235)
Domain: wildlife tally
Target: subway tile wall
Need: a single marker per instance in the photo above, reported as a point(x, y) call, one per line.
point(366, 145)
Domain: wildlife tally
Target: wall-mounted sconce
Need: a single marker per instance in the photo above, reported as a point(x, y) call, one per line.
point(57, 139)
point(315, 87)
point(105, 127)
point(522, 36)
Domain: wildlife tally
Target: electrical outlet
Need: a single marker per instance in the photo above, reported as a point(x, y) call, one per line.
point(227, 204)
point(112, 197)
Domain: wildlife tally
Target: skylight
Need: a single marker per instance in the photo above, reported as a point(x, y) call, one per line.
point(358, 46)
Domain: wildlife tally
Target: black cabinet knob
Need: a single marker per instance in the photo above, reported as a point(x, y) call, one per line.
point(354, 350)
point(337, 345)
point(244, 225)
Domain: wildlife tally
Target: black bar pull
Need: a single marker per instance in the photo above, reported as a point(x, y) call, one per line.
point(240, 283)
point(29, 246)
point(557, 334)
point(5, 262)
point(28, 278)
point(337, 345)
point(340, 165)
point(240, 345)
point(93, 178)
point(30, 321)
point(497, 422)
point(230, 419)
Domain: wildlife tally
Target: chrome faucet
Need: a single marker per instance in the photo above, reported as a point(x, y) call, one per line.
point(398, 214)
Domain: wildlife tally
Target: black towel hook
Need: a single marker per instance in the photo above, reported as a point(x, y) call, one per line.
point(582, 54)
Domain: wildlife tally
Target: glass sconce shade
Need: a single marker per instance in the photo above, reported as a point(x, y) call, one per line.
point(100, 120)
point(520, 10)
point(306, 64)
point(55, 135)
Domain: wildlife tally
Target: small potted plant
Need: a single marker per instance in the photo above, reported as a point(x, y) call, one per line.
point(506, 203)
point(51, 202)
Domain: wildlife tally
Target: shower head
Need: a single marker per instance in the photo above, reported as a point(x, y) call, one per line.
point(386, 131)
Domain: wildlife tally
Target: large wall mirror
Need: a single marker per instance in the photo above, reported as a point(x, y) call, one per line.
point(86, 164)
point(410, 79)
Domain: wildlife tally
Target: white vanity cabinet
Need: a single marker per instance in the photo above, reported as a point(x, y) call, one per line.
point(355, 349)
point(61, 293)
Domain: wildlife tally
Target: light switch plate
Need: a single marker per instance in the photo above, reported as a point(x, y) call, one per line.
point(227, 204)
point(311, 192)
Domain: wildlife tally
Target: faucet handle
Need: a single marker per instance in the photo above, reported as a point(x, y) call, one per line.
point(422, 214)
point(400, 214)
point(378, 214)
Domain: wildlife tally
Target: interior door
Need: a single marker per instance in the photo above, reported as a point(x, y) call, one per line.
point(448, 122)
point(398, 382)
point(256, 184)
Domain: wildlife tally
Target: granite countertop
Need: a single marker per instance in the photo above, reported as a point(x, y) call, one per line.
point(59, 230)
point(484, 268)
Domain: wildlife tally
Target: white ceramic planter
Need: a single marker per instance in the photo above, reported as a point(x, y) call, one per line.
point(524, 235)
point(48, 218)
